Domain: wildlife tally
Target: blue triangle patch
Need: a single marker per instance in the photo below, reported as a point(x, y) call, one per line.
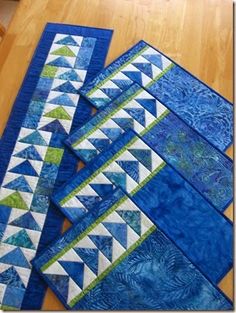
point(15, 257)
point(64, 100)
point(146, 68)
point(134, 76)
point(118, 179)
point(20, 239)
point(19, 184)
point(61, 282)
point(119, 231)
point(68, 40)
point(87, 154)
point(124, 123)
point(67, 87)
point(24, 168)
point(5, 212)
point(75, 271)
point(143, 156)
point(104, 244)
point(111, 92)
point(90, 257)
point(148, 104)
point(112, 133)
point(70, 75)
point(102, 189)
point(122, 83)
point(131, 168)
point(60, 62)
point(11, 278)
point(35, 139)
point(54, 127)
point(99, 144)
point(133, 219)
point(154, 59)
point(29, 153)
point(26, 221)
point(137, 114)
point(76, 213)
point(88, 201)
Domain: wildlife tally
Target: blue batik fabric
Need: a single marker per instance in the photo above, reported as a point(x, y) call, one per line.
point(169, 200)
point(33, 159)
point(198, 105)
point(116, 258)
point(202, 165)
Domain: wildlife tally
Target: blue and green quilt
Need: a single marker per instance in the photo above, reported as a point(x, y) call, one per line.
point(117, 258)
point(47, 107)
point(147, 209)
point(198, 105)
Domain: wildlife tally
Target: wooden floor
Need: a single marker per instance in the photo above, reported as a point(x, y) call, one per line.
point(197, 34)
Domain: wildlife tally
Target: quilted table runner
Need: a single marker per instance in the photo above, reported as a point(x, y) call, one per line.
point(33, 161)
point(204, 166)
point(171, 202)
point(197, 104)
point(117, 258)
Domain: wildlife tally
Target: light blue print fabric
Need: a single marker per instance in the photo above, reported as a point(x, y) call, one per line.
point(198, 105)
point(116, 258)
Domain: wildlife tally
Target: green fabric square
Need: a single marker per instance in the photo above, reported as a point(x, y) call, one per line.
point(49, 71)
point(54, 155)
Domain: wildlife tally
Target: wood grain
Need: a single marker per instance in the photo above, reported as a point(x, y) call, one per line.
point(196, 34)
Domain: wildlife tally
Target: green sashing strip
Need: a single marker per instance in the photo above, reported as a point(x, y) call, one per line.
point(116, 71)
point(81, 186)
point(83, 234)
point(8, 308)
point(106, 118)
point(112, 266)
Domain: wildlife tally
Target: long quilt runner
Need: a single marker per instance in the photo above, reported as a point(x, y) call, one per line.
point(116, 258)
point(34, 161)
point(204, 166)
point(198, 105)
point(170, 201)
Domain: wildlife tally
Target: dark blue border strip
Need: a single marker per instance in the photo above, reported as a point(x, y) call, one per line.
point(36, 287)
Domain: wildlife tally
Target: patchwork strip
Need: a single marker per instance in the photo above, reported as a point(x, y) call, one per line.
point(63, 58)
point(198, 105)
point(174, 204)
point(117, 247)
point(206, 168)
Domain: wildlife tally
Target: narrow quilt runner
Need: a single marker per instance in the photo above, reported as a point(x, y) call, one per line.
point(197, 104)
point(115, 258)
point(204, 166)
point(64, 57)
point(174, 205)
